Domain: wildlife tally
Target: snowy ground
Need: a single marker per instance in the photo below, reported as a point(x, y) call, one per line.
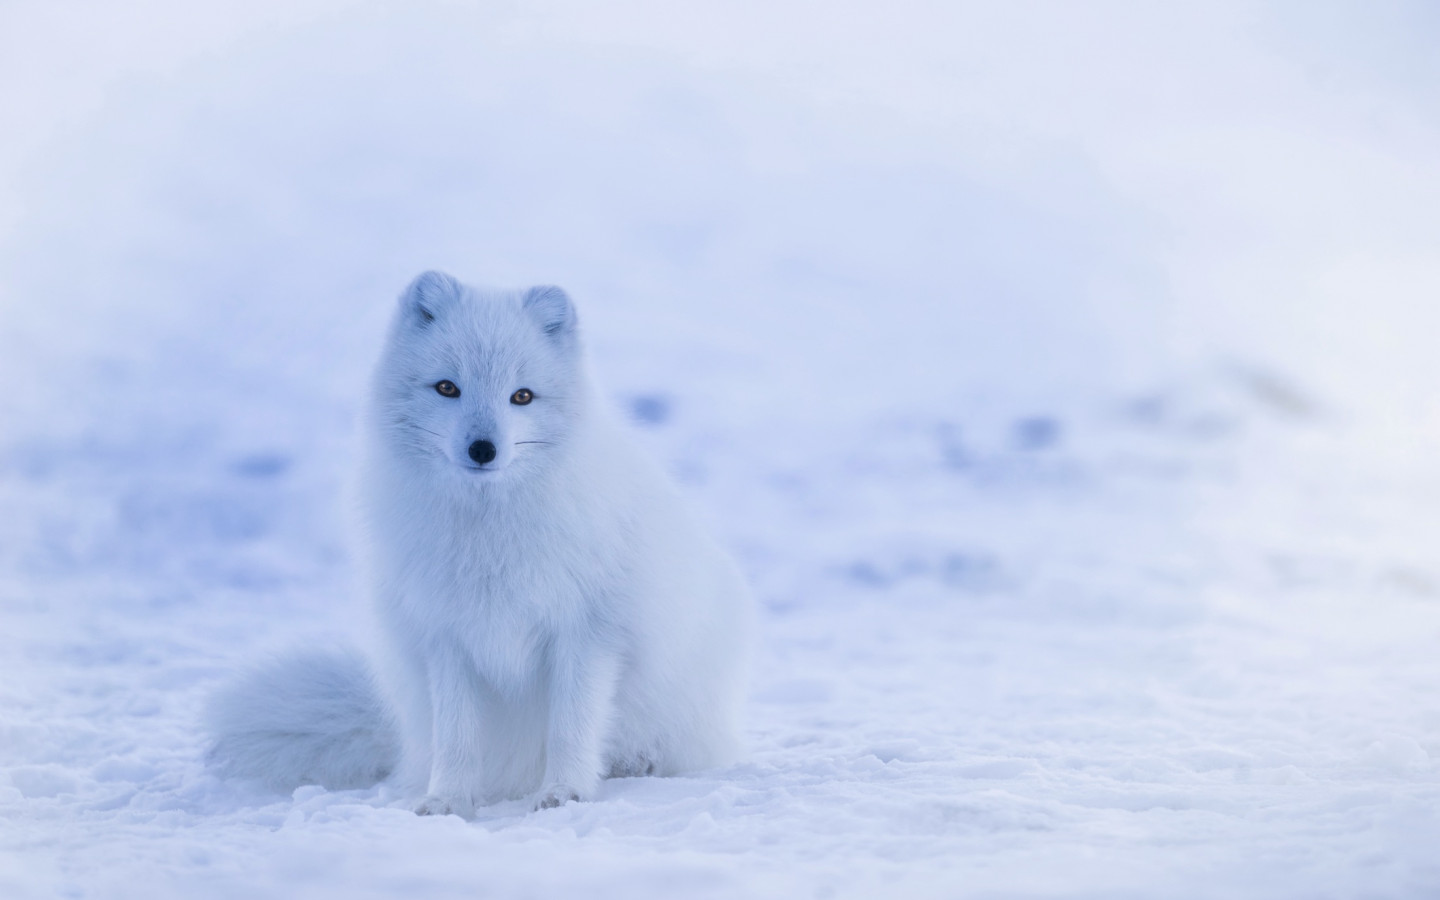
point(1061, 375)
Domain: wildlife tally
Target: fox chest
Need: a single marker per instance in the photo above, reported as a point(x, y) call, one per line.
point(505, 610)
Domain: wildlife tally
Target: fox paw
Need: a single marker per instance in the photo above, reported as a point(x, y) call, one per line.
point(555, 795)
point(444, 806)
point(631, 767)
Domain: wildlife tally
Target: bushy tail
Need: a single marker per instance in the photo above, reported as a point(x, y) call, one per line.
point(313, 718)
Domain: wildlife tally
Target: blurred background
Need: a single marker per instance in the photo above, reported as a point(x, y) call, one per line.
point(1061, 374)
point(837, 203)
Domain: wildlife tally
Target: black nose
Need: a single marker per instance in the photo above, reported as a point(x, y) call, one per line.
point(482, 452)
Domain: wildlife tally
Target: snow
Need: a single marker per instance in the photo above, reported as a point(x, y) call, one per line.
point(1060, 375)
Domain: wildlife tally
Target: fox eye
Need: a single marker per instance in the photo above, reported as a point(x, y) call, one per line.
point(447, 389)
point(522, 397)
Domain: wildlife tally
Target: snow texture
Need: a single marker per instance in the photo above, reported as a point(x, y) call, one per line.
point(1061, 375)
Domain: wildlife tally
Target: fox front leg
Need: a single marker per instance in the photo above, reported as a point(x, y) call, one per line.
point(455, 704)
point(582, 697)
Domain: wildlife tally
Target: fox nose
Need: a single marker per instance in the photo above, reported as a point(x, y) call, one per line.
point(482, 452)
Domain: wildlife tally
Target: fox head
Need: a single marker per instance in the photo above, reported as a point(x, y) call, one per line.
point(483, 382)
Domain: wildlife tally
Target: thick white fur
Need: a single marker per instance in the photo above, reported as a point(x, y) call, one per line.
point(546, 619)
point(314, 717)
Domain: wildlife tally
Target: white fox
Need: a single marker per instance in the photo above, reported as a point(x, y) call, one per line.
point(549, 614)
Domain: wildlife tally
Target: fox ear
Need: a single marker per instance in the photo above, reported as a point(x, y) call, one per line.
point(552, 307)
point(428, 295)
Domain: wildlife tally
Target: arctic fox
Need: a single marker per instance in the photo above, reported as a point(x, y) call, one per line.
point(548, 613)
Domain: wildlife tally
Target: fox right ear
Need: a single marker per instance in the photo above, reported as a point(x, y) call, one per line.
point(428, 295)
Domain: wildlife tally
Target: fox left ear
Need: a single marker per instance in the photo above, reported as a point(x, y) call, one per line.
point(553, 309)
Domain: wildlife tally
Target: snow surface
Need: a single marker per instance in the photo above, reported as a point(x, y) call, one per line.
point(1061, 375)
